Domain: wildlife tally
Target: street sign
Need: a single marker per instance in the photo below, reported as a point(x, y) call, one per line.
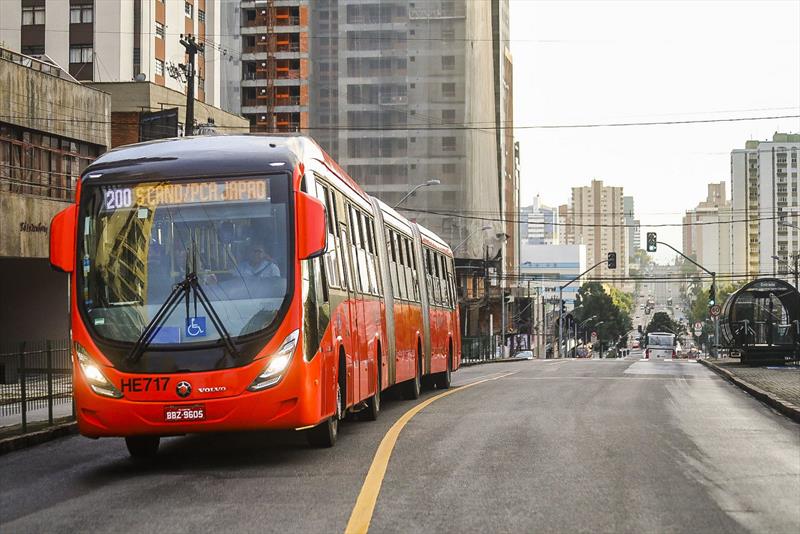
point(698, 326)
point(594, 337)
point(715, 310)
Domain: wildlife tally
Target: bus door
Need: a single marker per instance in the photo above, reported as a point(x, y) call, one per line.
point(351, 332)
point(358, 257)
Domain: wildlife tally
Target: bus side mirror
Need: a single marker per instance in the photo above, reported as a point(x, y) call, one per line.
point(62, 239)
point(311, 231)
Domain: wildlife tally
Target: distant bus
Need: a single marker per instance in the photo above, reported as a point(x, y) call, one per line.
point(245, 282)
point(660, 345)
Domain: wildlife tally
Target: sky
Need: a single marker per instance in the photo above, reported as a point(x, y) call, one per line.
point(579, 62)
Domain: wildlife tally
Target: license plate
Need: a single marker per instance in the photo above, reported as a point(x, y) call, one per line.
point(182, 414)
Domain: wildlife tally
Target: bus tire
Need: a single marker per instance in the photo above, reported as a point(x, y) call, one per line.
point(443, 379)
point(324, 434)
point(412, 388)
point(374, 402)
point(142, 447)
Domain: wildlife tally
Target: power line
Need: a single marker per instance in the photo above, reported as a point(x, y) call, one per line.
point(589, 225)
point(461, 127)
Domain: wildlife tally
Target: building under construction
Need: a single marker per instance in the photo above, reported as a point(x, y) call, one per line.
point(275, 64)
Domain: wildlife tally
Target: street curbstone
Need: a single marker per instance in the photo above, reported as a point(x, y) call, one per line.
point(788, 409)
point(30, 439)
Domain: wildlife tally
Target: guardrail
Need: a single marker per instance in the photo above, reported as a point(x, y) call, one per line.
point(35, 383)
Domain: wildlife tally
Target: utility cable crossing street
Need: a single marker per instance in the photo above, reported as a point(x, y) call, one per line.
point(544, 445)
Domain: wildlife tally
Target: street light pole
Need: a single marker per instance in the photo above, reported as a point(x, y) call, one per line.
point(414, 190)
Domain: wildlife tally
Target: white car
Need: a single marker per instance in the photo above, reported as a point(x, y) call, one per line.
point(524, 355)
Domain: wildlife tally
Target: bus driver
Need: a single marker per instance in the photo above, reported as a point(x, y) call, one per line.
point(259, 264)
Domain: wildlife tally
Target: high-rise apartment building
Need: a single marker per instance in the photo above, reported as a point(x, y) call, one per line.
point(114, 41)
point(598, 221)
point(707, 230)
point(275, 64)
point(394, 85)
point(764, 195)
point(633, 227)
point(538, 224)
point(566, 231)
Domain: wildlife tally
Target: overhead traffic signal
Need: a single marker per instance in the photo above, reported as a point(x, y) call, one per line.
point(612, 260)
point(563, 306)
point(652, 242)
point(712, 295)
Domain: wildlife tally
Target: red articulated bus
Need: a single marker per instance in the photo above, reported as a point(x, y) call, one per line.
point(245, 282)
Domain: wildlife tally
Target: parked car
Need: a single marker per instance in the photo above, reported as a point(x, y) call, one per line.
point(524, 355)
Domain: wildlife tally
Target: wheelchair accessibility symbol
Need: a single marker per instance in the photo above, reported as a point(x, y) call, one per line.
point(196, 327)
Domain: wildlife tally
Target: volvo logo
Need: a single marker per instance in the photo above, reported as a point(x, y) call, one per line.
point(183, 389)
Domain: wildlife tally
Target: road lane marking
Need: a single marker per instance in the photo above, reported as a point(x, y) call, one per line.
point(673, 377)
point(365, 503)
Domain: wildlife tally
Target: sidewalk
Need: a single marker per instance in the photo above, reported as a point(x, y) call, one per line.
point(777, 386)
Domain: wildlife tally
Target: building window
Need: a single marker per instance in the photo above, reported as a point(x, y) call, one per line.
point(448, 144)
point(80, 54)
point(448, 62)
point(448, 116)
point(159, 30)
point(32, 15)
point(201, 16)
point(201, 84)
point(448, 89)
point(82, 14)
point(159, 67)
point(33, 50)
point(188, 9)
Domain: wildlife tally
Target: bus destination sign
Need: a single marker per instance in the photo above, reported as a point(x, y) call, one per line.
point(152, 195)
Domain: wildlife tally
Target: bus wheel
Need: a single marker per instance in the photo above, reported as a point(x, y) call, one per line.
point(443, 378)
point(324, 434)
point(142, 447)
point(412, 388)
point(374, 402)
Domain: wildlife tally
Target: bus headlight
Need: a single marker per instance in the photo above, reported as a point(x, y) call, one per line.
point(94, 376)
point(278, 363)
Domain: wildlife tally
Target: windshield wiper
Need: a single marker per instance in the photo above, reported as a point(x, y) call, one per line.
point(181, 291)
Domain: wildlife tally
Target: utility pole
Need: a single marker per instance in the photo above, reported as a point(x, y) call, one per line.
point(560, 299)
point(192, 48)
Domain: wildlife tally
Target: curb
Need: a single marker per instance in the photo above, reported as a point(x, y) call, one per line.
point(496, 360)
point(35, 438)
point(788, 409)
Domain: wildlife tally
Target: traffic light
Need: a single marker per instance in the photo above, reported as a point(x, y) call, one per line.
point(652, 242)
point(712, 295)
point(612, 260)
point(563, 306)
point(639, 327)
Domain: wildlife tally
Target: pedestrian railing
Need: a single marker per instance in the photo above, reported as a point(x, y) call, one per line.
point(478, 349)
point(35, 383)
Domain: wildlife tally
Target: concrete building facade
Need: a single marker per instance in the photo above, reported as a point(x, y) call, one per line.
point(707, 231)
point(597, 216)
point(41, 158)
point(394, 83)
point(113, 41)
point(632, 225)
point(538, 224)
point(764, 194)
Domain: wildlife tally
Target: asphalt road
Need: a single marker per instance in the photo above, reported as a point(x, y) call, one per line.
point(558, 446)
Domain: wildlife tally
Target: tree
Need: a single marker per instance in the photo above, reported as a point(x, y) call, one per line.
point(594, 300)
point(662, 322)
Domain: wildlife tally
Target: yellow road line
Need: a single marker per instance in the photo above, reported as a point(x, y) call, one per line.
point(365, 504)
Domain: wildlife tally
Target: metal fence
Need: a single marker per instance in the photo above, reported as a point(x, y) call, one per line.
point(478, 349)
point(35, 382)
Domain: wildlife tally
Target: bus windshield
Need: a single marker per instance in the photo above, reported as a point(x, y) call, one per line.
point(139, 240)
point(660, 340)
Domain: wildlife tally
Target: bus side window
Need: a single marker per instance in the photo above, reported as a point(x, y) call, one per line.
point(370, 254)
point(392, 262)
point(429, 275)
point(443, 282)
point(413, 259)
point(330, 260)
point(401, 268)
point(354, 245)
point(375, 260)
